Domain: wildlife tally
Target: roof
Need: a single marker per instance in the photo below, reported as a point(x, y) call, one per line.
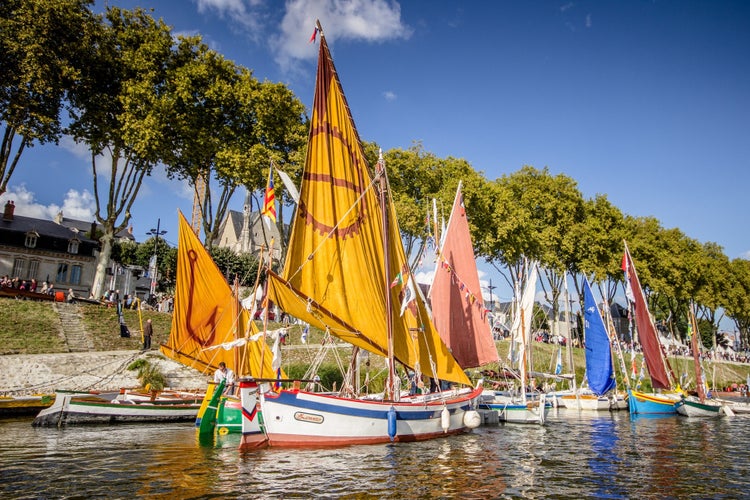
point(52, 236)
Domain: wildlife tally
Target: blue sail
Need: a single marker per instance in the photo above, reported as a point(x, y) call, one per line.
point(598, 352)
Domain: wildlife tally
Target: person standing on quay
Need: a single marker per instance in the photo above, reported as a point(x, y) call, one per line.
point(148, 331)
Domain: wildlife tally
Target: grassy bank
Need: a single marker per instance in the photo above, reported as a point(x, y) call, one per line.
point(28, 327)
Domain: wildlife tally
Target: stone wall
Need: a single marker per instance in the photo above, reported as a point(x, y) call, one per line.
point(101, 371)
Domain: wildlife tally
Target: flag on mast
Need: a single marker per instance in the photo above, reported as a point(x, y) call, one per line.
point(269, 202)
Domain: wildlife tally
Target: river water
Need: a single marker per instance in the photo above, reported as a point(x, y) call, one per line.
point(607, 455)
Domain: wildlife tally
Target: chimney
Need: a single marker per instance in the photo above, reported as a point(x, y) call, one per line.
point(92, 235)
point(59, 217)
point(10, 207)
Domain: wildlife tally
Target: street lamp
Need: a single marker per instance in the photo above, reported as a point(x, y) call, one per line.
point(492, 302)
point(152, 265)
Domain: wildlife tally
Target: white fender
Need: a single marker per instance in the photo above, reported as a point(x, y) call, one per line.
point(445, 419)
point(472, 419)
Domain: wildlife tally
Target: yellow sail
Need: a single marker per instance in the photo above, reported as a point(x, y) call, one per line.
point(334, 275)
point(207, 314)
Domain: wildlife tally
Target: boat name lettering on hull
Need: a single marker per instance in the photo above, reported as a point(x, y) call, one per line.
point(308, 417)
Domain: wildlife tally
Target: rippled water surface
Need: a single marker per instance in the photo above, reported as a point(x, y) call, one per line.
point(573, 456)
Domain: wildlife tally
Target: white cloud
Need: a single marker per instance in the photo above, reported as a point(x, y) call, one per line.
point(588, 20)
point(78, 149)
point(368, 20)
point(246, 14)
point(389, 95)
point(75, 205)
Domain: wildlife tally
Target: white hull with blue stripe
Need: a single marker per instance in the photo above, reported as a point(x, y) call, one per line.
point(298, 418)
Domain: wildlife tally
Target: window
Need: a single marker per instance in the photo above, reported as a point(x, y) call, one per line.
point(31, 238)
point(33, 269)
point(75, 275)
point(73, 246)
point(19, 268)
point(62, 273)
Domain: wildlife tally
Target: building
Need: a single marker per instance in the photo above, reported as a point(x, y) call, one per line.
point(47, 250)
point(248, 232)
point(59, 251)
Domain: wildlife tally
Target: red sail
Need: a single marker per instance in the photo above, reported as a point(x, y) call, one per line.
point(456, 298)
point(652, 352)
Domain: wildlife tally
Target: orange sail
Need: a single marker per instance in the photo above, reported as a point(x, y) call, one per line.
point(206, 314)
point(335, 275)
point(456, 297)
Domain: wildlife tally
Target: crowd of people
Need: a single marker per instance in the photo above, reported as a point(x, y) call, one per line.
point(26, 285)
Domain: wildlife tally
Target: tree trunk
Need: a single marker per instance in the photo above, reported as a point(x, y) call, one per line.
point(97, 287)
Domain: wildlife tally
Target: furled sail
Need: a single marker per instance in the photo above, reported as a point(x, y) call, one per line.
point(599, 371)
point(334, 274)
point(207, 314)
point(455, 295)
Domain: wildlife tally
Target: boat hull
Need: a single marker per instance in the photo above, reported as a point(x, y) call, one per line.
point(25, 405)
point(511, 410)
point(641, 403)
point(76, 409)
point(591, 402)
point(692, 408)
point(304, 419)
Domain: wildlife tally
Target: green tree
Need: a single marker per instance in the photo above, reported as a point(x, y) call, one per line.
point(42, 49)
point(243, 266)
point(737, 299)
point(118, 112)
point(227, 127)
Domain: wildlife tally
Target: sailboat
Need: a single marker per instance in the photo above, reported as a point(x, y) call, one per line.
point(458, 310)
point(520, 407)
point(343, 255)
point(701, 406)
point(653, 352)
point(209, 327)
point(600, 376)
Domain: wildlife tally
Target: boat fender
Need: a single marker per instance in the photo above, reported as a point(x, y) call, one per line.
point(392, 423)
point(445, 419)
point(472, 419)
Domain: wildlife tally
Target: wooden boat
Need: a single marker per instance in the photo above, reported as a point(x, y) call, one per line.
point(73, 408)
point(589, 401)
point(701, 406)
point(652, 403)
point(209, 327)
point(520, 406)
point(659, 369)
point(737, 407)
point(512, 409)
point(12, 405)
point(694, 407)
point(343, 255)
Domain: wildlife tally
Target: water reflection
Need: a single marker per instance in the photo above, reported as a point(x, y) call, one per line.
point(573, 456)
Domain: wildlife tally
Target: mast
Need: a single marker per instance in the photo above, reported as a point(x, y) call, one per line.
point(568, 346)
point(693, 325)
point(380, 172)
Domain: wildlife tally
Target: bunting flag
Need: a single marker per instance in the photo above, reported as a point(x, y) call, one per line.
point(625, 268)
point(558, 367)
point(410, 294)
point(305, 332)
point(398, 280)
point(269, 203)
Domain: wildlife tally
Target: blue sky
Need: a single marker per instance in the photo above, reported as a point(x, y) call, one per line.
point(647, 102)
